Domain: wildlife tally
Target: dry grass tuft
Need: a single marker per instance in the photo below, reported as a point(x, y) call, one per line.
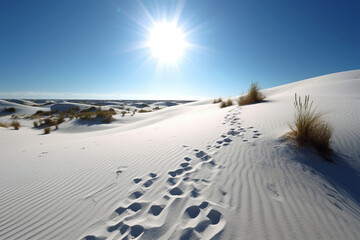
point(144, 111)
point(4, 125)
point(9, 110)
point(253, 96)
point(47, 130)
point(15, 124)
point(309, 127)
point(219, 100)
point(228, 103)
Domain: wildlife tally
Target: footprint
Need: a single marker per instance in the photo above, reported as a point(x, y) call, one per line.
point(193, 211)
point(136, 230)
point(115, 227)
point(172, 181)
point(187, 159)
point(153, 175)
point(135, 207)
point(202, 225)
point(137, 180)
point(176, 191)
point(124, 228)
point(200, 154)
point(214, 216)
point(148, 183)
point(227, 140)
point(172, 173)
point(184, 164)
point(156, 209)
point(136, 195)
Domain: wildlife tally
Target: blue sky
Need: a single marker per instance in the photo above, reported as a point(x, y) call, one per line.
point(92, 48)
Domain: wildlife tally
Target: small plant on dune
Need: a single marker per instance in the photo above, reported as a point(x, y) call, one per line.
point(9, 110)
point(15, 124)
point(4, 125)
point(123, 113)
point(223, 104)
point(36, 124)
point(228, 103)
point(309, 127)
point(144, 111)
point(253, 96)
point(219, 100)
point(46, 130)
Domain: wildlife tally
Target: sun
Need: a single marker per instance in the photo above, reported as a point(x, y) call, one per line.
point(167, 42)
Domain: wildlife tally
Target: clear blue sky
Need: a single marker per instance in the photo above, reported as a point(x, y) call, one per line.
point(90, 48)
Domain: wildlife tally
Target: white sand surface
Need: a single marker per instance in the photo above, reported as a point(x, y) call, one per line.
point(191, 171)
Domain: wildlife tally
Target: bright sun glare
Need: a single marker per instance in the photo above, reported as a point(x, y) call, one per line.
point(167, 42)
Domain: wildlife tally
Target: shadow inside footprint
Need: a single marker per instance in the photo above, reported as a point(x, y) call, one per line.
point(124, 228)
point(156, 209)
point(153, 175)
point(136, 195)
point(115, 227)
point(187, 159)
point(136, 230)
point(200, 154)
point(137, 180)
point(214, 216)
point(172, 173)
point(185, 164)
point(176, 191)
point(120, 210)
point(204, 204)
point(148, 183)
point(193, 211)
point(135, 207)
point(172, 181)
point(202, 225)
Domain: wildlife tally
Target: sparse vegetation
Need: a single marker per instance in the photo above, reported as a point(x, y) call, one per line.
point(253, 96)
point(47, 130)
point(4, 125)
point(228, 103)
point(9, 110)
point(15, 124)
point(144, 111)
point(36, 124)
point(309, 127)
point(219, 100)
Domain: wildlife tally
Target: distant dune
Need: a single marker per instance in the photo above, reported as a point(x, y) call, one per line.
point(190, 170)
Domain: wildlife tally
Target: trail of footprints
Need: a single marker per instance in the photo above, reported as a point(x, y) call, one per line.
point(133, 219)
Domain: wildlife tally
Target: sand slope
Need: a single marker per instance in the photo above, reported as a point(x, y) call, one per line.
point(192, 171)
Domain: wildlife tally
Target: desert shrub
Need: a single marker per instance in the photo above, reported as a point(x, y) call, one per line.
point(15, 124)
point(219, 100)
point(309, 127)
point(253, 96)
point(223, 104)
point(228, 103)
point(36, 124)
point(123, 113)
point(47, 130)
point(144, 105)
point(144, 111)
point(60, 120)
point(4, 125)
point(9, 110)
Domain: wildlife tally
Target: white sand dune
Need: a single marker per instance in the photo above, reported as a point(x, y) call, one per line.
point(192, 171)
